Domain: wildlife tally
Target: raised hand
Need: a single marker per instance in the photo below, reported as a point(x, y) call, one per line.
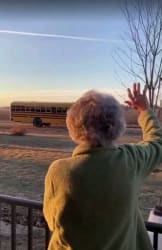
point(137, 100)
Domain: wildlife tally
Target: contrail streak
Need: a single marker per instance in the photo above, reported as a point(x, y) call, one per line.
point(22, 33)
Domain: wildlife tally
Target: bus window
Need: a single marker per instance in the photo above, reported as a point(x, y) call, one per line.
point(42, 109)
point(64, 110)
point(17, 108)
point(59, 110)
point(48, 110)
point(37, 109)
point(53, 110)
point(13, 108)
point(23, 108)
point(27, 109)
point(32, 109)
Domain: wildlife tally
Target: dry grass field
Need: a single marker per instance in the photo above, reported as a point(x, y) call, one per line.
point(24, 161)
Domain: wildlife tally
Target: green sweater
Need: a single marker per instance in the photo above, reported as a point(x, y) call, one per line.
point(91, 198)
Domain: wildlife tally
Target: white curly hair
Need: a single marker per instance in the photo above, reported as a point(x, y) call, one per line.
point(96, 119)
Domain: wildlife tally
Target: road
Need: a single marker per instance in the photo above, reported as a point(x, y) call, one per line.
point(7, 126)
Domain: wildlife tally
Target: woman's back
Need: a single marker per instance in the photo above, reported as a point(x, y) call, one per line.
point(91, 199)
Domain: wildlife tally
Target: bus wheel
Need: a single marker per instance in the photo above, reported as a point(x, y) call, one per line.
point(37, 122)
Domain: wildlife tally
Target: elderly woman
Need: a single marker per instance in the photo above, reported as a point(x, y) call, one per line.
point(91, 198)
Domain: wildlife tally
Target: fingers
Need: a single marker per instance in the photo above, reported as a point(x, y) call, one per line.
point(130, 95)
point(136, 89)
point(137, 99)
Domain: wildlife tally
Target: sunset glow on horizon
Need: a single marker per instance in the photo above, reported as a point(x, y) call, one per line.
point(51, 96)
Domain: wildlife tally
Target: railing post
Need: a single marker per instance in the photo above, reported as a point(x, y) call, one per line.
point(13, 227)
point(155, 241)
point(30, 229)
point(47, 236)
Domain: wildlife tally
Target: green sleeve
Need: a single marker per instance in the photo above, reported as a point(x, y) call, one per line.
point(149, 150)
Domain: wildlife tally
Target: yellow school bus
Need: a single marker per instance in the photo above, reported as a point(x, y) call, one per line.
point(40, 113)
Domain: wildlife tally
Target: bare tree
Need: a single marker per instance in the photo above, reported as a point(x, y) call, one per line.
point(144, 19)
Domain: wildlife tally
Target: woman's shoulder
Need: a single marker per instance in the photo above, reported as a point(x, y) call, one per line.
point(59, 164)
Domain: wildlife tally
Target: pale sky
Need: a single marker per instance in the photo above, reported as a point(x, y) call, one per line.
point(57, 56)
